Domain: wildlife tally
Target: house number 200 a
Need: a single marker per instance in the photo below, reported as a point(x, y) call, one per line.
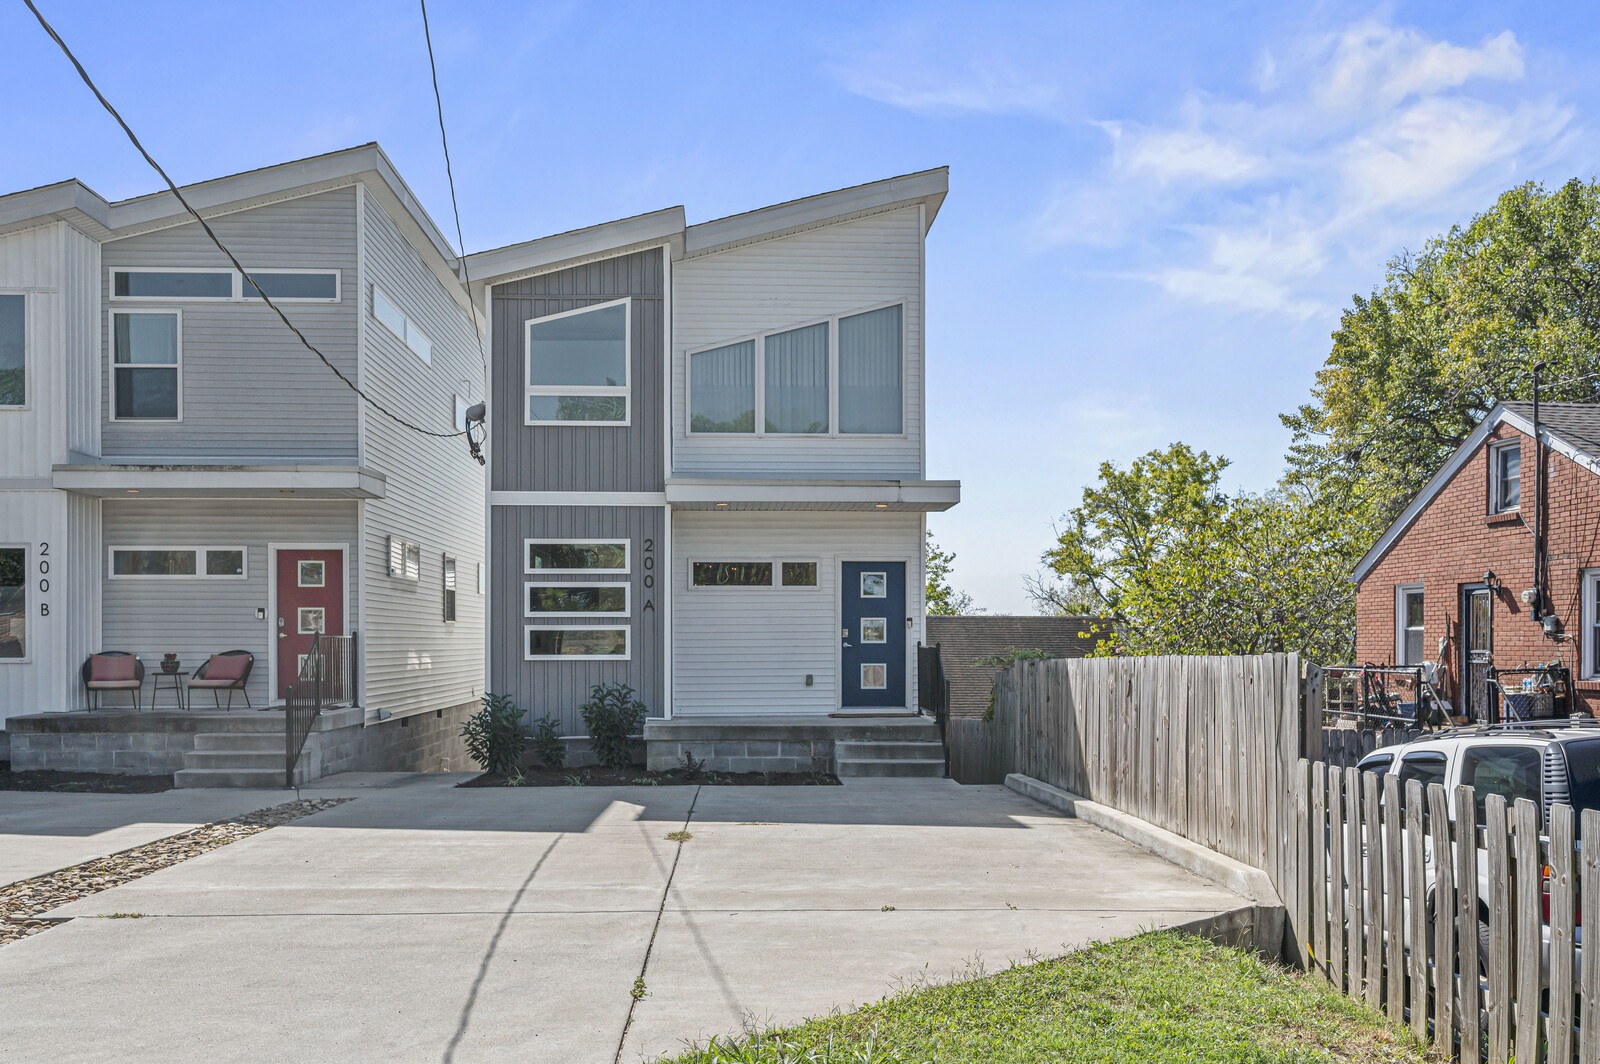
point(44, 577)
point(649, 565)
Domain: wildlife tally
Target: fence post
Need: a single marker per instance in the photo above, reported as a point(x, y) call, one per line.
point(1372, 909)
point(1416, 931)
point(1589, 983)
point(1498, 964)
point(1444, 918)
point(1467, 917)
point(1393, 909)
point(1562, 921)
point(1527, 934)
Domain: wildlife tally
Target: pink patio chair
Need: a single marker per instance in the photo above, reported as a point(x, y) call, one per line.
point(113, 670)
point(228, 671)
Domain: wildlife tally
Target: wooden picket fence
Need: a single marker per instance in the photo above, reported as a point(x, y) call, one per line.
point(1468, 969)
point(1344, 747)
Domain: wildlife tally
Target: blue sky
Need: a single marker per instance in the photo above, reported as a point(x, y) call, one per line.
point(1156, 211)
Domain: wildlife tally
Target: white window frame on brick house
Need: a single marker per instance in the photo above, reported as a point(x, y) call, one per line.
point(1402, 595)
point(1497, 482)
point(1589, 644)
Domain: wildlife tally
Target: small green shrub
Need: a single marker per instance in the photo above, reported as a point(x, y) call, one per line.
point(691, 766)
point(547, 744)
point(612, 715)
point(494, 735)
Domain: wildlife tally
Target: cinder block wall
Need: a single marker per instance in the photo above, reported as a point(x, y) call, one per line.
point(420, 742)
point(1455, 539)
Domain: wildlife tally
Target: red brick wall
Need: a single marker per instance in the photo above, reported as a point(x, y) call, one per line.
point(1455, 539)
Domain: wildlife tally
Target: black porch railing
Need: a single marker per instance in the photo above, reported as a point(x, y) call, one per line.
point(933, 693)
point(327, 679)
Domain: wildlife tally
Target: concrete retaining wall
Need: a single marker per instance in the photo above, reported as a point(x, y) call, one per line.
point(420, 742)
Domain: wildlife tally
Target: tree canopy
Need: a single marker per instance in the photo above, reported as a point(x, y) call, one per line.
point(943, 600)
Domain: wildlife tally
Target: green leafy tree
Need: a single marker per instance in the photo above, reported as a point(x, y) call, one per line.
point(1455, 328)
point(943, 600)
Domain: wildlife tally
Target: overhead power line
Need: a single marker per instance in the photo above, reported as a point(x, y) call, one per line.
point(173, 187)
point(444, 141)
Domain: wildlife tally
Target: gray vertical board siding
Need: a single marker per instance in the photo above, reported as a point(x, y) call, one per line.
point(249, 388)
point(580, 458)
point(558, 688)
point(196, 618)
point(434, 496)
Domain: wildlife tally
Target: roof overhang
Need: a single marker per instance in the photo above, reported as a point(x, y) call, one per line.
point(106, 481)
point(1500, 415)
point(913, 496)
point(562, 250)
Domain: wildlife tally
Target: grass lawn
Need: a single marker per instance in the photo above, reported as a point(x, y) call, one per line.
point(1158, 997)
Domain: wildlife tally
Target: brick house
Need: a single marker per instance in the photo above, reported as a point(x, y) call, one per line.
point(1457, 579)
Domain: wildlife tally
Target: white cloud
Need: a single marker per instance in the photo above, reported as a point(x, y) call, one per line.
point(1373, 64)
point(987, 84)
point(1171, 155)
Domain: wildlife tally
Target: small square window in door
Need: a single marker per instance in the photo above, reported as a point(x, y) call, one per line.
point(874, 677)
point(874, 585)
point(312, 620)
point(874, 629)
point(313, 574)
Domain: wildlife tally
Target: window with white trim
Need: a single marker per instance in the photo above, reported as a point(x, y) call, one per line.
point(225, 285)
point(195, 563)
point(582, 556)
point(405, 559)
point(449, 569)
point(751, 574)
point(556, 643)
point(13, 349)
point(589, 600)
point(146, 365)
point(13, 604)
point(1408, 627)
point(842, 376)
point(1589, 669)
point(388, 314)
point(577, 366)
point(1505, 476)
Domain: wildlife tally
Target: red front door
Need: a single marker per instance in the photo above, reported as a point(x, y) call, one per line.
point(310, 600)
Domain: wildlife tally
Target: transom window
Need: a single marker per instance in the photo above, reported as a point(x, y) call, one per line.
point(555, 643)
point(386, 313)
point(133, 563)
point(1408, 615)
point(842, 376)
point(1505, 472)
point(577, 366)
point(589, 556)
point(226, 285)
point(13, 350)
point(13, 603)
point(594, 600)
point(752, 574)
point(146, 365)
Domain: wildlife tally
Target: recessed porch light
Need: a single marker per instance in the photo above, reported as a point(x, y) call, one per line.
point(880, 506)
point(722, 506)
point(133, 491)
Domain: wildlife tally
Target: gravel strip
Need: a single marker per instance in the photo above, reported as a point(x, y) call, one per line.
point(21, 903)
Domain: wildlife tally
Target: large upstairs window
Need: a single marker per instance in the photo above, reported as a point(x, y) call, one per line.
point(146, 365)
point(577, 366)
point(839, 377)
point(13, 350)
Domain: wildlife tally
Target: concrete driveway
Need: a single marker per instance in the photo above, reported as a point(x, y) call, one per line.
point(426, 923)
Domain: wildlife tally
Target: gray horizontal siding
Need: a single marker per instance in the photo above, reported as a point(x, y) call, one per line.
point(249, 387)
point(580, 458)
point(558, 688)
point(198, 618)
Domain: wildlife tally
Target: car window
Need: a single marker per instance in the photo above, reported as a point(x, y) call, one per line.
point(1377, 764)
point(1512, 771)
point(1425, 768)
point(1583, 767)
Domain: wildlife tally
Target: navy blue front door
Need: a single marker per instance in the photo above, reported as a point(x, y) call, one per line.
point(873, 640)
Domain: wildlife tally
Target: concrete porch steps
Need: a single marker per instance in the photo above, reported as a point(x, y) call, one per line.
point(235, 759)
point(888, 759)
point(257, 779)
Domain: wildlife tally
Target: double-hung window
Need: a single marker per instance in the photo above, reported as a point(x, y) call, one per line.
point(577, 366)
point(146, 365)
point(1590, 668)
point(13, 350)
point(840, 377)
point(1505, 476)
point(1408, 614)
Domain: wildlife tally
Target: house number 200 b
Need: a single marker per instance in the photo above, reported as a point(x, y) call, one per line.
point(44, 577)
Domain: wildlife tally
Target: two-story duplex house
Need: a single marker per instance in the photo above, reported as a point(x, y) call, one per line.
point(707, 472)
point(180, 475)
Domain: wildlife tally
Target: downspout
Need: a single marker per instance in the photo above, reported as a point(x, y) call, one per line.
point(1539, 495)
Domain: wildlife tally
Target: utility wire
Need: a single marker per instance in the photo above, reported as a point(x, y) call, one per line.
point(444, 141)
point(309, 346)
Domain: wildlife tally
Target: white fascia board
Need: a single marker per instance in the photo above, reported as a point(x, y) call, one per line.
point(1499, 415)
point(303, 481)
point(69, 201)
point(577, 498)
point(913, 495)
point(564, 249)
point(929, 187)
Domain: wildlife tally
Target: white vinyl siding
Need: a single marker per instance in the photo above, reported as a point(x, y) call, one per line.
point(435, 490)
point(61, 534)
point(787, 283)
point(749, 649)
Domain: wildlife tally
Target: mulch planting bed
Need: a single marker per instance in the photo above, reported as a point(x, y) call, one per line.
point(22, 903)
point(84, 782)
point(594, 776)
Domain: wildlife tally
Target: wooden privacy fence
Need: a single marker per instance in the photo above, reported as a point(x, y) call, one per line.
point(1487, 965)
point(1343, 747)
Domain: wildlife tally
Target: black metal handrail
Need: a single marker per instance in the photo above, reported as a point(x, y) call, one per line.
point(933, 693)
point(327, 679)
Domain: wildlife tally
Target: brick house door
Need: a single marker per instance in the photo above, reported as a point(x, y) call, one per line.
point(1477, 651)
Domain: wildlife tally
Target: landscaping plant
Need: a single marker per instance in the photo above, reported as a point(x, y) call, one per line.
point(547, 744)
point(494, 735)
point(612, 715)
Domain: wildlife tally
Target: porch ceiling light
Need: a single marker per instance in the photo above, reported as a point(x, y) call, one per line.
point(133, 491)
point(722, 506)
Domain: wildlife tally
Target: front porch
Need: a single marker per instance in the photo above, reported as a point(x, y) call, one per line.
point(903, 745)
